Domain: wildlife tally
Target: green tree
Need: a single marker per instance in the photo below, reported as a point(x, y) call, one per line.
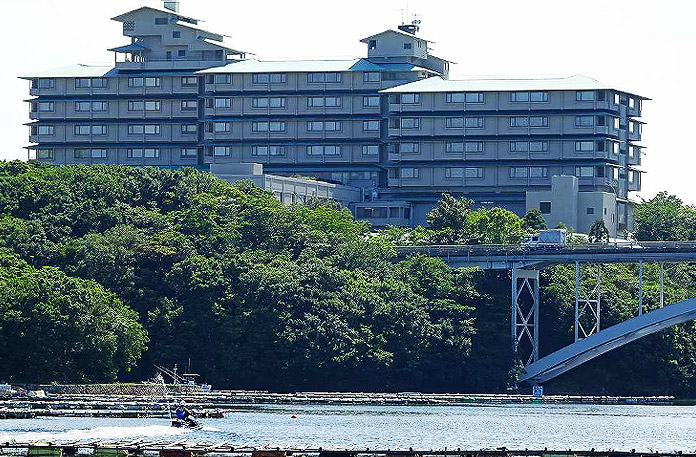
point(451, 217)
point(533, 221)
point(53, 327)
point(598, 232)
point(665, 217)
point(496, 226)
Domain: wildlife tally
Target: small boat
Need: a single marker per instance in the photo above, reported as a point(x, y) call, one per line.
point(190, 423)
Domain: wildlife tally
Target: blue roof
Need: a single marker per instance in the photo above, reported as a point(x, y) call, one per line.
point(133, 47)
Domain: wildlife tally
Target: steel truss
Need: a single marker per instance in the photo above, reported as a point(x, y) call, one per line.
point(525, 313)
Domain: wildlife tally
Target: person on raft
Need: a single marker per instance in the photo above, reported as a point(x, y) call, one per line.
point(185, 414)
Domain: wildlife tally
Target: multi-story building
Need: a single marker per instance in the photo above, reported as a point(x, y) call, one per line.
point(391, 125)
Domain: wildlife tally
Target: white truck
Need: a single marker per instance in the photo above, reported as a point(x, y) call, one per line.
point(546, 238)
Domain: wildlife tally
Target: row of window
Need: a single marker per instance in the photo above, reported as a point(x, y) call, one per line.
point(281, 150)
point(281, 78)
point(513, 172)
point(133, 129)
point(515, 146)
point(281, 126)
point(102, 153)
point(280, 102)
point(514, 121)
point(520, 96)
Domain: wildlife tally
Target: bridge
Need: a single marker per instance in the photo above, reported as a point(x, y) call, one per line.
point(591, 340)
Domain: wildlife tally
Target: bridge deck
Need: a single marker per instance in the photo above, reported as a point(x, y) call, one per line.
point(506, 257)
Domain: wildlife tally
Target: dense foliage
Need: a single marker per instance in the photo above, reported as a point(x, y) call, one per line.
point(108, 270)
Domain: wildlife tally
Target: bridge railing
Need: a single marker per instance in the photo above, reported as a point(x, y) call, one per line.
point(522, 249)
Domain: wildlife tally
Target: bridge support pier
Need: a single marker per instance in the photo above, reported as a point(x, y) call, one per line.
point(525, 314)
point(587, 306)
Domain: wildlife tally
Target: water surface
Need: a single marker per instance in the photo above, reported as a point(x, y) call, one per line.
point(621, 427)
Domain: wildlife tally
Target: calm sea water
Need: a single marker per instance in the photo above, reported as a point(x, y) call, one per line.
point(624, 427)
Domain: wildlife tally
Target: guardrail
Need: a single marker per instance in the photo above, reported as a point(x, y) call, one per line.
point(509, 249)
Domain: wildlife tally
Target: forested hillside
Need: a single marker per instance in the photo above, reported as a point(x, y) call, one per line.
point(108, 270)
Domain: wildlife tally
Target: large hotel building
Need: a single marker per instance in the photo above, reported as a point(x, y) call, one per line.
point(385, 134)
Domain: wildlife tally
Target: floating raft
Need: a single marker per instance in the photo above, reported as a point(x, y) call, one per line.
point(192, 449)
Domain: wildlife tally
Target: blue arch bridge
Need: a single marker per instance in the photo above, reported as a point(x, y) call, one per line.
point(591, 340)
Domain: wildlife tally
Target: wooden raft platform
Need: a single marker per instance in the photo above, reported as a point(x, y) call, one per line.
point(192, 449)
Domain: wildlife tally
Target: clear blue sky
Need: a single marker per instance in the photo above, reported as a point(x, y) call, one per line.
point(642, 46)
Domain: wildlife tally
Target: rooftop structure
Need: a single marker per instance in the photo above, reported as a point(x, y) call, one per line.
point(390, 123)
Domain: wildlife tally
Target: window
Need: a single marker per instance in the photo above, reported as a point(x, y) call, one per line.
point(318, 150)
point(370, 100)
point(545, 207)
point(371, 76)
point(153, 105)
point(268, 102)
point(46, 107)
point(409, 148)
point(135, 82)
point(45, 83)
point(473, 146)
point(473, 172)
point(100, 107)
point(147, 129)
point(632, 151)
point(220, 127)
point(408, 45)
point(189, 153)
point(189, 105)
point(519, 172)
point(599, 146)
point(410, 123)
point(370, 150)
point(98, 153)
point(161, 21)
point(318, 126)
point(589, 210)
point(615, 147)
point(147, 82)
point(468, 97)
point(455, 146)
point(81, 153)
point(189, 128)
point(538, 172)
point(539, 96)
point(46, 154)
point(454, 122)
point(268, 126)
point(617, 99)
point(529, 121)
point(519, 146)
point(269, 78)
point(221, 151)
point(372, 44)
point(599, 172)
point(410, 99)
point(584, 121)
point(600, 121)
point(333, 77)
point(152, 82)
point(189, 81)
point(617, 123)
point(176, 34)
point(538, 146)
point(584, 146)
point(631, 102)
point(83, 83)
point(222, 79)
point(584, 95)
point(329, 102)
point(519, 96)
point(454, 172)
point(631, 127)
point(371, 126)
point(223, 103)
point(90, 129)
point(410, 172)
point(43, 130)
point(140, 153)
point(584, 172)
point(474, 122)
point(272, 150)
point(100, 83)
point(182, 53)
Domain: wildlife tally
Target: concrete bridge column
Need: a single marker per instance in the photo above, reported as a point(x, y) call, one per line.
point(525, 314)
